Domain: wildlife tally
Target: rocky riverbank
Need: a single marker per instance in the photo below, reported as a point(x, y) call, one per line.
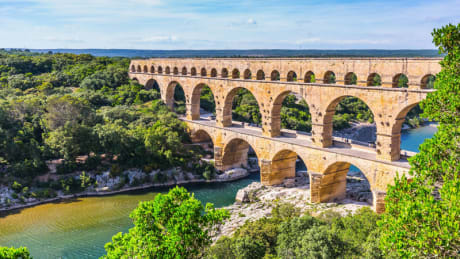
point(105, 184)
point(257, 201)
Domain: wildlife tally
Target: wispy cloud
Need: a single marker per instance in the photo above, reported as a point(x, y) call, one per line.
point(166, 24)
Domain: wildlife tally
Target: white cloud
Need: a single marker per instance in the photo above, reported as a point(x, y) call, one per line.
point(158, 39)
point(251, 21)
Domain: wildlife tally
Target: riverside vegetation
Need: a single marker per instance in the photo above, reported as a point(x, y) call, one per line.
point(422, 217)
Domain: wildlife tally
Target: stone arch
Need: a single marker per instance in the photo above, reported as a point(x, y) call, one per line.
point(203, 137)
point(193, 71)
point(169, 94)
point(291, 76)
point(260, 75)
point(351, 79)
point(275, 118)
point(160, 70)
point(374, 79)
point(427, 81)
point(213, 72)
point(327, 122)
point(329, 77)
point(175, 71)
point(400, 80)
point(247, 74)
point(167, 70)
point(235, 73)
point(309, 77)
point(228, 104)
point(283, 165)
point(331, 184)
point(133, 68)
point(398, 121)
point(224, 73)
point(152, 69)
point(203, 72)
point(146, 70)
point(184, 71)
point(196, 100)
point(139, 69)
point(275, 75)
point(235, 154)
point(152, 84)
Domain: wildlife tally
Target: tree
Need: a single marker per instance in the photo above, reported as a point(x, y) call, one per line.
point(173, 225)
point(14, 253)
point(422, 217)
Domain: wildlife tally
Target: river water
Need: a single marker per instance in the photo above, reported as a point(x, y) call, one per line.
point(80, 228)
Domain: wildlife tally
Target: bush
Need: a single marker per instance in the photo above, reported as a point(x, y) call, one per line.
point(14, 253)
point(115, 170)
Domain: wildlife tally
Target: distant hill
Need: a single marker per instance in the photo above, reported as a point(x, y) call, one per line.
point(131, 53)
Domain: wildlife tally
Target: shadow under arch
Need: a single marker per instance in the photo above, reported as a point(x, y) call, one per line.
point(228, 104)
point(285, 164)
point(152, 84)
point(341, 180)
point(202, 138)
point(235, 154)
point(196, 101)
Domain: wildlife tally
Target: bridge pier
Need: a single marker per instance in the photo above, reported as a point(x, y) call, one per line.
point(388, 146)
point(379, 201)
point(328, 187)
point(321, 134)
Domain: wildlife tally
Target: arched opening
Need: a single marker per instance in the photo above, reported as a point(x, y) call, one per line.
point(409, 119)
point(160, 70)
point(184, 71)
point(175, 97)
point(193, 71)
point(204, 140)
point(428, 82)
point(287, 168)
point(235, 73)
point(374, 79)
point(275, 75)
point(152, 69)
point(309, 77)
point(292, 76)
point(133, 68)
point(241, 105)
point(351, 79)
point(139, 69)
point(341, 181)
point(175, 71)
point(238, 153)
point(146, 70)
point(290, 111)
point(152, 84)
point(224, 73)
point(260, 75)
point(329, 77)
point(203, 102)
point(203, 72)
point(213, 72)
point(351, 120)
point(167, 70)
point(400, 81)
point(247, 74)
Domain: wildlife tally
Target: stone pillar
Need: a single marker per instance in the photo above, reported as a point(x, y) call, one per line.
point(223, 120)
point(321, 134)
point(265, 171)
point(218, 155)
point(379, 201)
point(388, 146)
point(328, 187)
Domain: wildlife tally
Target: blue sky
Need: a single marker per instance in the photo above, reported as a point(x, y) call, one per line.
point(224, 24)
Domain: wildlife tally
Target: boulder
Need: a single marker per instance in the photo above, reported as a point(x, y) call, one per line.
point(242, 196)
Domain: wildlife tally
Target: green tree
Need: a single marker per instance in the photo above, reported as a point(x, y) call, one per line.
point(173, 225)
point(422, 217)
point(14, 253)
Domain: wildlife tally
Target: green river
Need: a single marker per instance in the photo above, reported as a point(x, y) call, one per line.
point(80, 228)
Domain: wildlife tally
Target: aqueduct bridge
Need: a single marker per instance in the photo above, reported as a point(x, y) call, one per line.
point(270, 81)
